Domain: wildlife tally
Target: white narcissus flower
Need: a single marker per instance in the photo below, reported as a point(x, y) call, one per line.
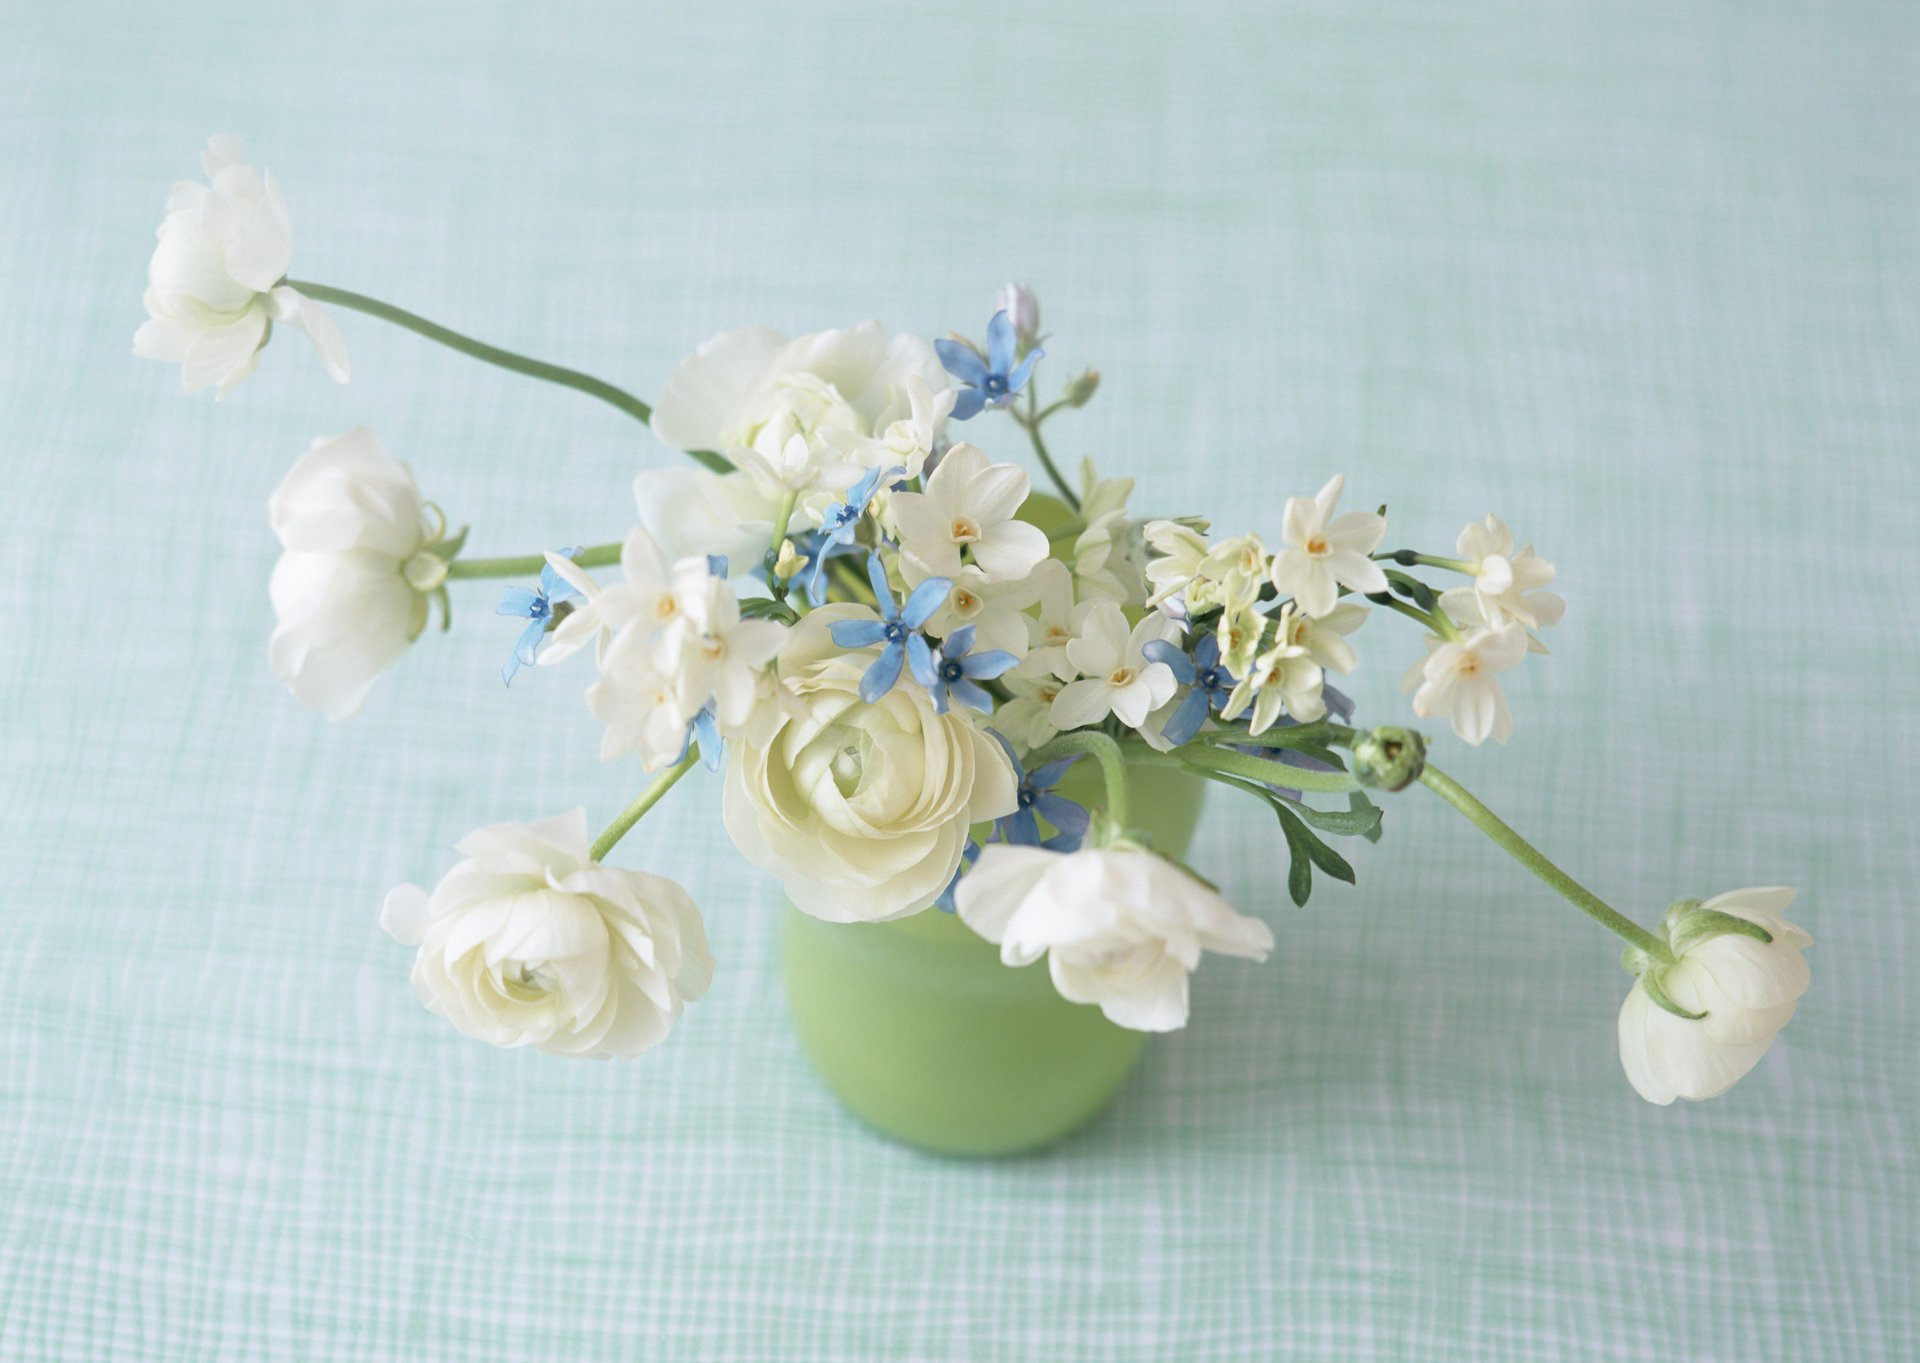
point(1178, 552)
point(350, 592)
point(862, 810)
point(530, 942)
point(969, 507)
point(1050, 628)
point(1119, 926)
point(1460, 680)
point(1326, 552)
point(1506, 584)
point(639, 703)
point(1744, 988)
point(214, 286)
point(996, 610)
point(1285, 678)
point(1027, 720)
point(645, 598)
point(1116, 677)
point(711, 652)
point(1325, 638)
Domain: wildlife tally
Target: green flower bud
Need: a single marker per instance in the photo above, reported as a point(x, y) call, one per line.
point(1389, 758)
point(1081, 388)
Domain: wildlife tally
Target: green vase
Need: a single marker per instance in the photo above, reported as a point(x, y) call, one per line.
point(921, 1031)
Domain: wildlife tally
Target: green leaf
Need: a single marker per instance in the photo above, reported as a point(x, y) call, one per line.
point(1352, 823)
point(765, 608)
point(1358, 802)
point(1300, 872)
point(1323, 856)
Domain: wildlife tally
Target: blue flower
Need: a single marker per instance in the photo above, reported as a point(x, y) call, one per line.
point(1210, 683)
point(841, 523)
point(994, 382)
point(536, 608)
point(951, 667)
point(1038, 801)
point(704, 729)
point(968, 855)
point(898, 628)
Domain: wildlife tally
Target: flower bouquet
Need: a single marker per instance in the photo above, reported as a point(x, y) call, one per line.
point(938, 696)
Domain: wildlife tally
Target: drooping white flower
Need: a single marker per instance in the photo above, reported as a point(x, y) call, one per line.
point(969, 507)
point(1326, 552)
point(1460, 680)
point(214, 286)
point(1284, 678)
point(861, 809)
point(530, 942)
point(1506, 583)
point(351, 590)
point(1119, 926)
point(1746, 989)
point(1116, 677)
point(1178, 552)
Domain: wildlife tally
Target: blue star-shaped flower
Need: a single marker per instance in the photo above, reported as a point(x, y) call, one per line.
point(842, 522)
point(536, 608)
point(1038, 801)
point(994, 382)
point(899, 628)
point(1209, 681)
point(951, 668)
point(704, 729)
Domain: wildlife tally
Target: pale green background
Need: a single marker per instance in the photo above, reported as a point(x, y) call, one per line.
point(1640, 277)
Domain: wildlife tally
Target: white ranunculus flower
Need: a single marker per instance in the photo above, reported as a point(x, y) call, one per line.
point(213, 286)
point(861, 810)
point(1746, 990)
point(1119, 926)
point(698, 512)
point(756, 389)
point(351, 589)
point(530, 942)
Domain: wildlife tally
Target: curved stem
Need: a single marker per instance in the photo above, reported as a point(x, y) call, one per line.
point(1032, 423)
point(480, 350)
point(522, 565)
point(1263, 770)
point(1407, 558)
point(1437, 621)
point(648, 798)
point(1113, 765)
point(1534, 860)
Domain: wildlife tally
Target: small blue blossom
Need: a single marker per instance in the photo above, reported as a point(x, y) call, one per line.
point(841, 523)
point(968, 855)
point(536, 608)
point(898, 628)
point(704, 729)
point(951, 668)
point(1202, 672)
point(1038, 801)
point(991, 383)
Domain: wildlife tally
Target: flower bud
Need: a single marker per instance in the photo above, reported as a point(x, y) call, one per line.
point(1023, 310)
point(1389, 758)
point(1081, 388)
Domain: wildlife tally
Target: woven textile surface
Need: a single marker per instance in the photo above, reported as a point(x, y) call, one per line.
point(1643, 279)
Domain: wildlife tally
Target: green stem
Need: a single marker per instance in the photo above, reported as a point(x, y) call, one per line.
point(1534, 860)
point(1407, 558)
point(1113, 765)
point(1032, 423)
point(524, 565)
point(649, 797)
point(480, 350)
point(1437, 621)
point(1263, 770)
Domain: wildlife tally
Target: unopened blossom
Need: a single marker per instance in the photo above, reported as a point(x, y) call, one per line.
point(214, 285)
point(1178, 552)
point(350, 592)
point(1743, 986)
point(1506, 582)
point(1116, 676)
point(1459, 679)
point(1120, 927)
point(530, 942)
point(1022, 307)
point(969, 508)
point(1325, 552)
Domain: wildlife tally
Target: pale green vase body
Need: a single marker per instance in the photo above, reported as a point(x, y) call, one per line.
point(924, 1034)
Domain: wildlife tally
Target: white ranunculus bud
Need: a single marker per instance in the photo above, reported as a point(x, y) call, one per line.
point(1022, 307)
point(1738, 967)
point(351, 589)
point(214, 285)
point(1119, 926)
point(861, 809)
point(530, 942)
